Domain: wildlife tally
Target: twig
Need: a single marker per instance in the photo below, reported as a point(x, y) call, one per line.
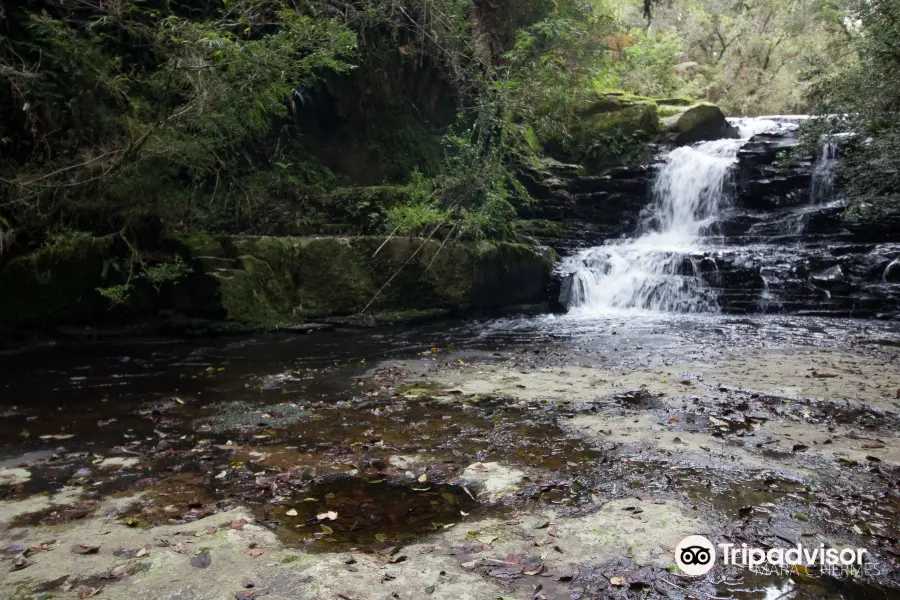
point(434, 258)
point(386, 241)
point(408, 260)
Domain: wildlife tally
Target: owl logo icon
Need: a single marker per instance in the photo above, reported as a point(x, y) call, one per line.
point(695, 555)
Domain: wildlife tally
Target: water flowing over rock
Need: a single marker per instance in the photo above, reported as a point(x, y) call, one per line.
point(732, 225)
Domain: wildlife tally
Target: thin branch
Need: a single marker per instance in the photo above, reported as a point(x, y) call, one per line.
point(434, 258)
point(408, 260)
point(386, 241)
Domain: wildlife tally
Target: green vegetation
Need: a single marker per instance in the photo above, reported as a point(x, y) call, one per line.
point(137, 120)
point(862, 97)
point(751, 57)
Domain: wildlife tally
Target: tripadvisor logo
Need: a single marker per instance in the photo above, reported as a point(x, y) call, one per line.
point(696, 555)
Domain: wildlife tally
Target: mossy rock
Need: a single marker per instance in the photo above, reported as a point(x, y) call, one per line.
point(612, 101)
point(285, 279)
point(698, 122)
point(264, 282)
point(676, 102)
point(541, 228)
point(611, 129)
point(193, 245)
point(616, 138)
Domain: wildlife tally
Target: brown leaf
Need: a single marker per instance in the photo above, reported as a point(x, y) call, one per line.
point(82, 549)
point(256, 552)
point(48, 586)
point(121, 570)
point(86, 592)
point(238, 524)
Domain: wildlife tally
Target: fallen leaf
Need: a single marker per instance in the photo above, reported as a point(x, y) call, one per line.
point(249, 594)
point(291, 512)
point(332, 515)
point(121, 570)
point(617, 581)
point(256, 552)
point(82, 549)
point(87, 592)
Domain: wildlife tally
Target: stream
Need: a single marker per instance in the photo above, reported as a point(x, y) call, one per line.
point(541, 457)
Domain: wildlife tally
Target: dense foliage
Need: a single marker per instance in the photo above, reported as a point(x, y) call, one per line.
point(749, 56)
point(864, 98)
point(131, 117)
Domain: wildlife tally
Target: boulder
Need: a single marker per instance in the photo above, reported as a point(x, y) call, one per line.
point(696, 123)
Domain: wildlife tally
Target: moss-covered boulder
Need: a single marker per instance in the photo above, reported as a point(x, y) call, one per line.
point(612, 129)
point(285, 279)
point(695, 123)
point(615, 128)
point(252, 282)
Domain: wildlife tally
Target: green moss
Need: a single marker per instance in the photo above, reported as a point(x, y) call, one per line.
point(541, 228)
point(198, 244)
point(617, 137)
point(25, 589)
point(265, 282)
point(612, 101)
point(289, 559)
point(677, 102)
point(668, 111)
point(531, 139)
point(332, 277)
point(260, 291)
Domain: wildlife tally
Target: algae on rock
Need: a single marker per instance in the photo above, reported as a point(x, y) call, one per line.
point(278, 280)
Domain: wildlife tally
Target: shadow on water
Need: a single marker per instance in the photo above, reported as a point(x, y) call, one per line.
point(370, 515)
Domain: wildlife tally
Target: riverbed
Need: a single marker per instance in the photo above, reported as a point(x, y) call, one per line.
point(539, 457)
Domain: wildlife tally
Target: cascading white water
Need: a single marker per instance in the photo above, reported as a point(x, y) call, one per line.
point(658, 269)
point(823, 173)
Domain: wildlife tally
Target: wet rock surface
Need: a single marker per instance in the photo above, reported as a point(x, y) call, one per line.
point(528, 458)
point(787, 241)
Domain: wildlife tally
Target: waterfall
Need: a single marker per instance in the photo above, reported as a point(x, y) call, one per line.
point(661, 268)
point(822, 182)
